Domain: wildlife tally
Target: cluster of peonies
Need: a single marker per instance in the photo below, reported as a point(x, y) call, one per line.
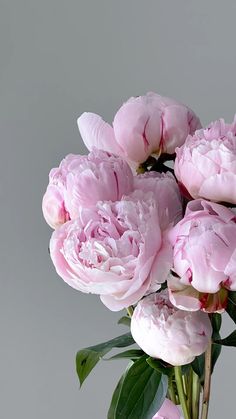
point(124, 236)
point(111, 227)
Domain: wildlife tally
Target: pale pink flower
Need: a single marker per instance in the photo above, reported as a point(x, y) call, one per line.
point(85, 180)
point(206, 163)
point(168, 410)
point(162, 331)
point(204, 243)
point(144, 125)
point(113, 249)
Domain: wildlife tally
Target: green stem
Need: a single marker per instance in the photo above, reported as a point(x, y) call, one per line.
point(180, 388)
point(195, 396)
point(207, 383)
point(130, 311)
point(171, 391)
point(189, 390)
point(184, 384)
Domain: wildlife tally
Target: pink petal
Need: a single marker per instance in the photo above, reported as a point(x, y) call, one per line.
point(175, 127)
point(183, 296)
point(168, 410)
point(137, 127)
point(221, 187)
point(97, 133)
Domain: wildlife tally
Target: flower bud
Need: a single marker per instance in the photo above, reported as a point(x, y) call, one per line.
point(164, 332)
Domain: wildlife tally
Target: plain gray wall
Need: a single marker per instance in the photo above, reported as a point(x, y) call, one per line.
point(58, 59)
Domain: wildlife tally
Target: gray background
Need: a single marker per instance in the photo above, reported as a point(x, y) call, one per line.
point(58, 59)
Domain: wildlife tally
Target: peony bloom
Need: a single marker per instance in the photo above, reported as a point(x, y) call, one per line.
point(84, 180)
point(204, 243)
point(144, 125)
point(163, 331)
point(113, 249)
point(166, 192)
point(168, 410)
point(206, 163)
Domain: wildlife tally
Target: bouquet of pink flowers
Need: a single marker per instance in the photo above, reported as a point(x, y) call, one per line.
point(156, 238)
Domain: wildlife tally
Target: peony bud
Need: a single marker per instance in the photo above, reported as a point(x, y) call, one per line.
point(164, 332)
point(204, 244)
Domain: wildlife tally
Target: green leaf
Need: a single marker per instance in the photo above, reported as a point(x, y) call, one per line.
point(216, 321)
point(131, 354)
point(143, 392)
point(160, 366)
point(198, 365)
point(114, 400)
point(228, 341)
point(116, 395)
point(87, 358)
point(125, 321)
point(231, 305)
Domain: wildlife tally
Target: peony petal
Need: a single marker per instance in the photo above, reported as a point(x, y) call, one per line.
point(221, 188)
point(166, 193)
point(226, 214)
point(137, 127)
point(168, 410)
point(230, 271)
point(97, 133)
point(183, 296)
point(175, 127)
point(162, 265)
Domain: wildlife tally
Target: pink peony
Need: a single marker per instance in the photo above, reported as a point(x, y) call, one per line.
point(166, 192)
point(84, 180)
point(206, 163)
point(204, 257)
point(144, 125)
point(163, 331)
point(168, 410)
point(113, 249)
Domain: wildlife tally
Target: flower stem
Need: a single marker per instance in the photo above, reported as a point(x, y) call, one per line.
point(185, 385)
point(207, 383)
point(189, 390)
point(180, 388)
point(195, 396)
point(171, 391)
